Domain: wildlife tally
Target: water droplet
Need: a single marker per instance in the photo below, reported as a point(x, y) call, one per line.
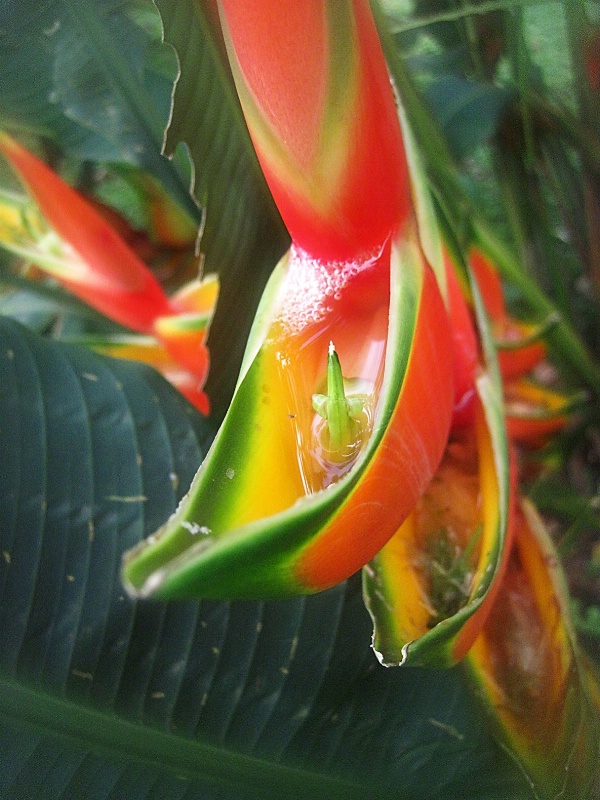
point(195, 529)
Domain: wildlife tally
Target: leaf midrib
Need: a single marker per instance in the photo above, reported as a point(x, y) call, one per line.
point(107, 734)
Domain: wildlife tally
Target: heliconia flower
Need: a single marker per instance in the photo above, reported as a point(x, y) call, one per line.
point(81, 250)
point(343, 405)
point(69, 238)
point(290, 498)
point(535, 413)
point(527, 671)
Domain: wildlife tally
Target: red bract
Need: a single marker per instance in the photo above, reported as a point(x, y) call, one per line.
point(527, 670)
point(407, 457)
point(432, 586)
point(466, 349)
point(97, 265)
point(323, 120)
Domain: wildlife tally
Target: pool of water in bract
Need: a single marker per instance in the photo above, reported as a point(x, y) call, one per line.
point(346, 304)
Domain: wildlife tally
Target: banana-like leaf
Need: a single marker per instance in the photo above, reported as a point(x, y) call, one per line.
point(206, 116)
point(278, 508)
point(104, 698)
point(468, 113)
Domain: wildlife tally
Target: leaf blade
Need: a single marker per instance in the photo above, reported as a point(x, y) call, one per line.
point(284, 690)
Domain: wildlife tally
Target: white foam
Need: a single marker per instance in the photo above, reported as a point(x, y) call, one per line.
point(312, 284)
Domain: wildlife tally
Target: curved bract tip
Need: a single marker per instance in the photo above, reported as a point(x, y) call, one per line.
point(272, 511)
point(430, 589)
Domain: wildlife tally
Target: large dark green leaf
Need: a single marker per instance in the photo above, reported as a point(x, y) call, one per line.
point(90, 76)
point(468, 113)
point(101, 697)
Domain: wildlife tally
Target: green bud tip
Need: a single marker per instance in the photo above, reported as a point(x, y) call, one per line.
point(341, 412)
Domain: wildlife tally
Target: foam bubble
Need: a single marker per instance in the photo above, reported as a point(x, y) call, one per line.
point(312, 285)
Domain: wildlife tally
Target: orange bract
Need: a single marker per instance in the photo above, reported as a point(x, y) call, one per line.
point(395, 480)
point(525, 666)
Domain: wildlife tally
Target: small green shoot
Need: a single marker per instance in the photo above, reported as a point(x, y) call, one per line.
point(450, 573)
point(341, 412)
